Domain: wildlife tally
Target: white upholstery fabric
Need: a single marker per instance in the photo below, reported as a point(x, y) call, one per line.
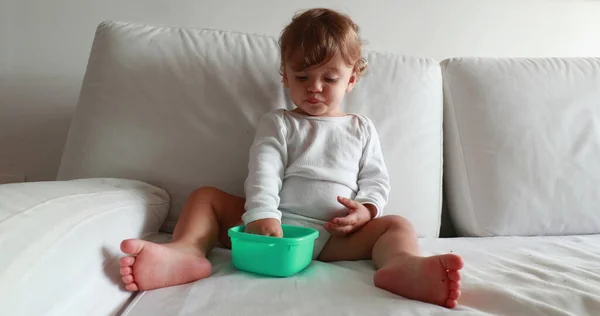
point(542, 276)
point(523, 145)
point(59, 243)
point(178, 107)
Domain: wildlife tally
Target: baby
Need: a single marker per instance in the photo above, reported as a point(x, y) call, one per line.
point(313, 166)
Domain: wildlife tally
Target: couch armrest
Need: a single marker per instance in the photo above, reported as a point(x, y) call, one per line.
point(59, 243)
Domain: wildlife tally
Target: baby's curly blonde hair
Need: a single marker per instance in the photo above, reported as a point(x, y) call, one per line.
point(316, 35)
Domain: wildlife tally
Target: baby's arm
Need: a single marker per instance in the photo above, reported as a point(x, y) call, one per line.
point(373, 178)
point(268, 158)
point(373, 188)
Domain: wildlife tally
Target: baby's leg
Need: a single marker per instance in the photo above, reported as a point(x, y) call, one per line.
point(206, 217)
point(392, 244)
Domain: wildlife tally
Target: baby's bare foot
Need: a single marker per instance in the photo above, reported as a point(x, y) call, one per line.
point(429, 279)
point(150, 266)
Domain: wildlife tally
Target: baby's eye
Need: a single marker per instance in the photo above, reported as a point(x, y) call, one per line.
point(331, 80)
point(301, 78)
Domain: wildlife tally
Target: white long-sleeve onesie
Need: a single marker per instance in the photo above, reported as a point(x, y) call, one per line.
point(299, 164)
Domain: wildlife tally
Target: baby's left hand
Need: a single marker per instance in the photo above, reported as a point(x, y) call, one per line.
point(358, 216)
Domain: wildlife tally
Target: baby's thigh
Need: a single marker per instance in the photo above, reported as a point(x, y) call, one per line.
point(356, 246)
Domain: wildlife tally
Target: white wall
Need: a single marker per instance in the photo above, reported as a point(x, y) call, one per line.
point(45, 44)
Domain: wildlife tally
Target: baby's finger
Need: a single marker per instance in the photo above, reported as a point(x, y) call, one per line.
point(277, 233)
point(346, 220)
point(351, 204)
point(332, 229)
point(337, 230)
point(336, 233)
point(273, 232)
point(345, 230)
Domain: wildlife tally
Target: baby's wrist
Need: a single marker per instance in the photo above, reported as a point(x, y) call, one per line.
point(372, 210)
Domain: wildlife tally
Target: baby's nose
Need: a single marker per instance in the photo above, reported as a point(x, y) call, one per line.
point(315, 86)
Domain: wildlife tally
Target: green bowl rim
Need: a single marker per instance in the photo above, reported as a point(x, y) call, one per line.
point(274, 240)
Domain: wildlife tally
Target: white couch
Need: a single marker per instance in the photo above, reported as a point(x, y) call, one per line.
point(172, 109)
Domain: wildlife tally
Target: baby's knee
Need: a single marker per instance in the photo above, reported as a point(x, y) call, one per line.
point(205, 193)
point(397, 222)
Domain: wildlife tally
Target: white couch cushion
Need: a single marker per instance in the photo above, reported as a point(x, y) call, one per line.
point(59, 243)
point(543, 276)
point(523, 145)
point(178, 107)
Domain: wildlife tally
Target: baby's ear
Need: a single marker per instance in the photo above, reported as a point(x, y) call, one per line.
point(284, 79)
point(352, 81)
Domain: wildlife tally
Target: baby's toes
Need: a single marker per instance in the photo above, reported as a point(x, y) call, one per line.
point(453, 295)
point(126, 261)
point(128, 279)
point(451, 303)
point(132, 287)
point(454, 285)
point(125, 271)
point(454, 275)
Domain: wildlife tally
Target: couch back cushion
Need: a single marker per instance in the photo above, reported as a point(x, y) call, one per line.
point(523, 145)
point(178, 107)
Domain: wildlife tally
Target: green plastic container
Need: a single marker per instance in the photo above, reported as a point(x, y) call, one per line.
point(280, 257)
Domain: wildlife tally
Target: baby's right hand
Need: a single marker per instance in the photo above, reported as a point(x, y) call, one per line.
point(266, 227)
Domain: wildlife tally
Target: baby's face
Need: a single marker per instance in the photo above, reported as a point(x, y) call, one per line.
point(319, 90)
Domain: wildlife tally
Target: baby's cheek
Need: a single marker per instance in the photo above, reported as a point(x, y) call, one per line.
point(338, 97)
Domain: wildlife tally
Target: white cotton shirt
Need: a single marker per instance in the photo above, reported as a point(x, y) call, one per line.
point(299, 164)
